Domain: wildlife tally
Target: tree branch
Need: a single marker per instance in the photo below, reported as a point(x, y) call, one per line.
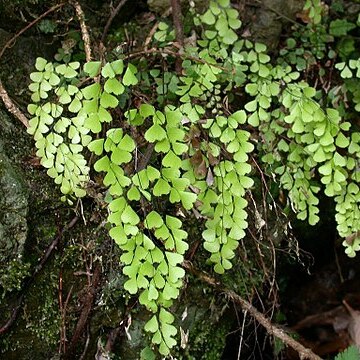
point(13, 39)
point(179, 31)
point(111, 18)
point(272, 329)
point(88, 300)
point(9, 104)
point(84, 31)
point(11, 107)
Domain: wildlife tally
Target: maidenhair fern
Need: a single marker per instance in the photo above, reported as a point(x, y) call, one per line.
point(190, 149)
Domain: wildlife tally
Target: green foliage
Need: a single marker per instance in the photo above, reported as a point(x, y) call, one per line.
point(190, 147)
point(351, 353)
point(12, 276)
point(315, 10)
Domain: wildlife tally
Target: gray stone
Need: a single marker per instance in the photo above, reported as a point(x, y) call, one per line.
point(13, 203)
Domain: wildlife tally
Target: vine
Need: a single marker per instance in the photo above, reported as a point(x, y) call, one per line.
point(187, 148)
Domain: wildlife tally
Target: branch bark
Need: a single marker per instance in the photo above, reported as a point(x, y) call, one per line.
point(11, 107)
point(88, 301)
point(13, 39)
point(179, 31)
point(272, 329)
point(110, 20)
point(84, 31)
point(9, 104)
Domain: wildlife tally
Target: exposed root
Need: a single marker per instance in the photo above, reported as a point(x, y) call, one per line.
point(272, 329)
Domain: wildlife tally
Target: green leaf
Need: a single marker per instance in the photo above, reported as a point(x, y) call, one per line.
point(172, 222)
point(129, 76)
point(208, 18)
point(97, 146)
point(171, 160)
point(129, 216)
point(152, 173)
point(161, 187)
point(234, 23)
point(92, 122)
point(91, 91)
point(187, 199)
point(224, 3)
point(40, 64)
point(153, 293)
point(340, 27)
point(102, 164)
point(133, 194)
point(351, 353)
point(166, 317)
point(107, 71)
point(153, 220)
point(146, 110)
point(162, 146)
point(108, 101)
point(118, 66)
point(164, 349)
point(114, 86)
point(229, 36)
point(342, 141)
point(155, 133)
point(251, 106)
point(147, 354)
point(119, 156)
point(174, 258)
point(131, 286)
point(170, 292)
point(92, 68)
point(75, 105)
point(162, 232)
point(346, 73)
point(218, 268)
point(239, 116)
point(152, 325)
point(127, 143)
point(339, 160)
point(159, 280)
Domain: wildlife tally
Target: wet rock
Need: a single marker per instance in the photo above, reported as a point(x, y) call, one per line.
point(271, 17)
point(13, 206)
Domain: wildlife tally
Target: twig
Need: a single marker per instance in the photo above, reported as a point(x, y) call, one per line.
point(37, 269)
point(85, 312)
point(111, 18)
point(11, 107)
point(272, 329)
point(177, 20)
point(242, 335)
point(146, 157)
point(166, 13)
point(9, 104)
point(12, 318)
point(84, 31)
point(86, 347)
point(12, 40)
point(179, 31)
point(63, 321)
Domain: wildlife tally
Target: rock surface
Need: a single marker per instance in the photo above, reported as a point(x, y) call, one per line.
point(13, 202)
